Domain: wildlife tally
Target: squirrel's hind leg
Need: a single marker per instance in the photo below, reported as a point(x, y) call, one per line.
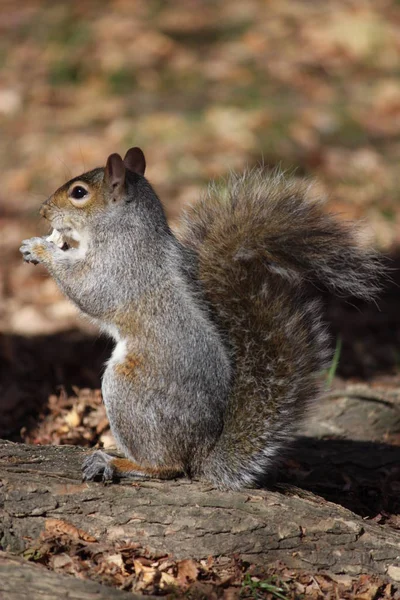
point(101, 466)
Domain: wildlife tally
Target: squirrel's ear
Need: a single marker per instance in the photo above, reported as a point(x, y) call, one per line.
point(135, 161)
point(115, 174)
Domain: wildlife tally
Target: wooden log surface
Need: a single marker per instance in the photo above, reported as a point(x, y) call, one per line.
point(193, 519)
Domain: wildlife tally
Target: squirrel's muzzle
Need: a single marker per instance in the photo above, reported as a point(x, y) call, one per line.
point(44, 209)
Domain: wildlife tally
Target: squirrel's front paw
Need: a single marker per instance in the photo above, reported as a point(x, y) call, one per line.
point(98, 467)
point(35, 250)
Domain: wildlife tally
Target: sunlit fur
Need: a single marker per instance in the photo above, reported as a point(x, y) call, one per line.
point(262, 239)
point(218, 331)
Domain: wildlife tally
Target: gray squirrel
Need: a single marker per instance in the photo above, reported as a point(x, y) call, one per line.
point(219, 341)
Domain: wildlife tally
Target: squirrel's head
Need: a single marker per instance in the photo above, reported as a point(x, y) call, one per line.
point(72, 208)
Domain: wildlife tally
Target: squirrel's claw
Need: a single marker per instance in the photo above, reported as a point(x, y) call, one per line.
point(34, 250)
point(26, 251)
point(98, 467)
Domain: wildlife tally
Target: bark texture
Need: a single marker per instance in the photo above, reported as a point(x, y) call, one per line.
point(192, 519)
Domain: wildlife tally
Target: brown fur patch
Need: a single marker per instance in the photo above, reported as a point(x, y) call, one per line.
point(128, 321)
point(138, 319)
point(124, 466)
point(60, 200)
point(129, 366)
point(40, 251)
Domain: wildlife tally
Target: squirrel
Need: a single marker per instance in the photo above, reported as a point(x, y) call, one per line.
point(218, 327)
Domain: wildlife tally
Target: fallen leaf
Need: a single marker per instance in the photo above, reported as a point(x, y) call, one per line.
point(57, 526)
point(188, 571)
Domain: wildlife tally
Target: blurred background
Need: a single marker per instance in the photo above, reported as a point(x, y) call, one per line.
point(204, 87)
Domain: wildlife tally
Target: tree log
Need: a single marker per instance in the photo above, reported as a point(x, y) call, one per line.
point(19, 579)
point(193, 519)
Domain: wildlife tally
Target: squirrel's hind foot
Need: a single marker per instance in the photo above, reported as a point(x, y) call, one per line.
point(98, 466)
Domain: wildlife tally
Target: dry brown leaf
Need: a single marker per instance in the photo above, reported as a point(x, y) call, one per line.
point(61, 560)
point(167, 580)
point(147, 573)
point(58, 526)
point(73, 418)
point(231, 593)
point(117, 560)
point(188, 571)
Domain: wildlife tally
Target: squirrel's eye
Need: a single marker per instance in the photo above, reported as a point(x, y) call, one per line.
point(78, 192)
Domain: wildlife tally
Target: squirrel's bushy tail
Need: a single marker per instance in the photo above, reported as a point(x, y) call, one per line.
point(279, 220)
point(259, 240)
